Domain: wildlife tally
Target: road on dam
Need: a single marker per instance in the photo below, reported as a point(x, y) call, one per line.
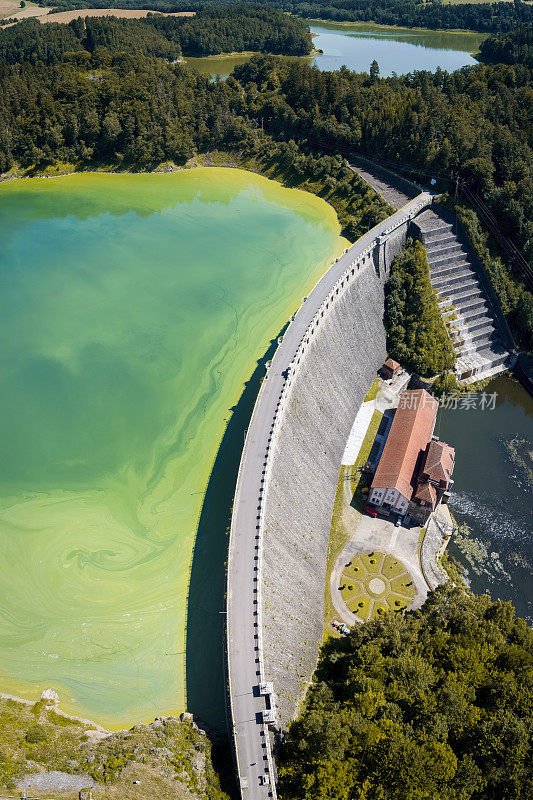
point(256, 770)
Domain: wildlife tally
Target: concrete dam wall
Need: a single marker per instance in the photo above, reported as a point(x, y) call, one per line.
point(333, 378)
point(325, 393)
point(280, 526)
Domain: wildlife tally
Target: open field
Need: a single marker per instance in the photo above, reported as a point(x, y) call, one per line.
point(11, 9)
point(128, 13)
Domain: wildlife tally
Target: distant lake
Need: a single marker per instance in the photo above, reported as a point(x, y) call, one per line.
point(399, 50)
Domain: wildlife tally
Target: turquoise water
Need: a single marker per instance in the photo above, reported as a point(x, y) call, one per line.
point(355, 46)
point(132, 310)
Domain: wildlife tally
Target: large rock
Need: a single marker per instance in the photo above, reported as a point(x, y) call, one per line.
point(50, 697)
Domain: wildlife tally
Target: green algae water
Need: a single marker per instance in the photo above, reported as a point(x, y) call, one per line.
point(133, 308)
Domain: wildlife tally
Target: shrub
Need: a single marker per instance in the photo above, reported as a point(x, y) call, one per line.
point(444, 384)
point(36, 734)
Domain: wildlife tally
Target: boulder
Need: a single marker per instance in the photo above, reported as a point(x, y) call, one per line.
point(50, 697)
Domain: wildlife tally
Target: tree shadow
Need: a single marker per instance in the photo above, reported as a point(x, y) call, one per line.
point(205, 642)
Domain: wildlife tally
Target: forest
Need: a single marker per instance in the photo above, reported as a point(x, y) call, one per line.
point(436, 704)
point(209, 32)
point(515, 47)
point(485, 17)
point(416, 334)
point(468, 125)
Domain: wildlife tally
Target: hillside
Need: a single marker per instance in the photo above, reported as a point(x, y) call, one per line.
point(436, 704)
point(170, 758)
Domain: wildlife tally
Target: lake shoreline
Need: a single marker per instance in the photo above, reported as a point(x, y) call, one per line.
point(361, 24)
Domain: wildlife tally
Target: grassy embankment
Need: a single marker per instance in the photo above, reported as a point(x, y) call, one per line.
point(347, 509)
point(171, 759)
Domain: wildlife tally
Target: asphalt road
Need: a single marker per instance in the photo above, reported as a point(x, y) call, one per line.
point(245, 671)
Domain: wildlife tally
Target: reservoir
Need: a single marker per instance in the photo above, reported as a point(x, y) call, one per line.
point(399, 50)
point(493, 492)
point(356, 45)
point(133, 310)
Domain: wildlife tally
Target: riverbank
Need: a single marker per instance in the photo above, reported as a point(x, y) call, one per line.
point(397, 28)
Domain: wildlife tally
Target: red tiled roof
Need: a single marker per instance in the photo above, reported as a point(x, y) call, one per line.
point(438, 463)
point(391, 364)
point(411, 430)
point(427, 493)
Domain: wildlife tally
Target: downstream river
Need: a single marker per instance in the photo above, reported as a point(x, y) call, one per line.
point(493, 492)
point(399, 50)
point(132, 310)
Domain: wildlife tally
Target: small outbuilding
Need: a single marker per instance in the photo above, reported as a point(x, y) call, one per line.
point(389, 369)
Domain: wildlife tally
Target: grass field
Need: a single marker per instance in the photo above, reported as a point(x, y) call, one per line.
point(11, 9)
point(128, 13)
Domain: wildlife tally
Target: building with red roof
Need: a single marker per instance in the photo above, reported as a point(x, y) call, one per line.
point(390, 368)
point(414, 471)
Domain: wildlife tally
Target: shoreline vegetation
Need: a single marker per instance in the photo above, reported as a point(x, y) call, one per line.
point(481, 17)
point(381, 25)
point(57, 708)
point(356, 204)
point(170, 758)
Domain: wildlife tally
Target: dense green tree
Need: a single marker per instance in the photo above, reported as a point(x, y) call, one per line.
point(416, 334)
point(490, 17)
point(515, 47)
point(434, 704)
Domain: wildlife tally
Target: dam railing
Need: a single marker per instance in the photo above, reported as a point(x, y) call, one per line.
point(244, 620)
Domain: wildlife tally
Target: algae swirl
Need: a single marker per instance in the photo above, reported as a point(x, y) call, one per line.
point(133, 308)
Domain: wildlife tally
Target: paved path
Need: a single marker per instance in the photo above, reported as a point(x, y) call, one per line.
point(358, 432)
point(244, 629)
point(391, 189)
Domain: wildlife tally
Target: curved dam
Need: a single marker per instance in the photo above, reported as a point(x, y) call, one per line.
point(286, 488)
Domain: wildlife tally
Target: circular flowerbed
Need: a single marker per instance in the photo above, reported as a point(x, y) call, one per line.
point(374, 583)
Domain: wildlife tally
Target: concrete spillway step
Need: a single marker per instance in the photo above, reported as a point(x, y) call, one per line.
point(463, 276)
point(456, 294)
point(437, 233)
point(479, 311)
point(444, 248)
point(449, 269)
point(464, 306)
point(478, 339)
point(446, 258)
point(479, 323)
point(473, 306)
